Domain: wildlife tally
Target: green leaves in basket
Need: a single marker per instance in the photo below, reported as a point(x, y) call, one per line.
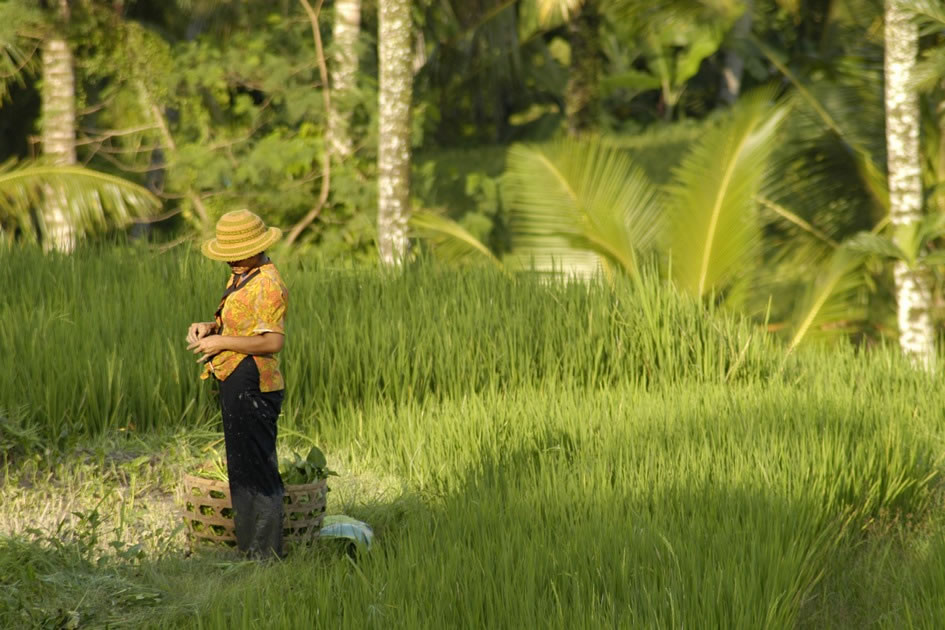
point(213, 469)
point(298, 470)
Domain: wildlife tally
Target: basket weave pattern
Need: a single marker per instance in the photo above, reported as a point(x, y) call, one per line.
point(208, 510)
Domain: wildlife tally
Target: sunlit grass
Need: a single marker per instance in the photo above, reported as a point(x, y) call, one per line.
point(103, 332)
point(530, 455)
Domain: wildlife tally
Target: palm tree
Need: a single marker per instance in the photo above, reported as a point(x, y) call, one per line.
point(393, 160)
point(97, 201)
point(913, 284)
point(73, 201)
point(344, 71)
point(58, 128)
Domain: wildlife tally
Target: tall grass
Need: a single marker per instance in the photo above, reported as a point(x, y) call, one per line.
point(96, 340)
point(680, 508)
point(566, 455)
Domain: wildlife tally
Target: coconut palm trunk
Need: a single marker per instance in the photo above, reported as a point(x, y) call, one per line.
point(913, 283)
point(393, 160)
point(58, 133)
point(581, 95)
point(344, 72)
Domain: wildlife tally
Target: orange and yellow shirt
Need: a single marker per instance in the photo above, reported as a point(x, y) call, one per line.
point(257, 307)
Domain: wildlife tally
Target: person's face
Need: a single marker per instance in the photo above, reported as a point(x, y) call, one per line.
point(242, 266)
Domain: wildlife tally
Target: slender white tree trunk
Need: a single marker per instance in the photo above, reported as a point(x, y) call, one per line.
point(344, 74)
point(913, 286)
point(734, 68)
point(58, 136)
point(393, 160)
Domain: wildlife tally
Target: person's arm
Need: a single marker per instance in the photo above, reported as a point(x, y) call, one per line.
point(265, 343)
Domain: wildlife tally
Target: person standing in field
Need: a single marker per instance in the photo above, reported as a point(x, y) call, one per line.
point(238, 349)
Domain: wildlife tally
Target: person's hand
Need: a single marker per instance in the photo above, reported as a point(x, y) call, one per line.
point(199, 330)
point(207, 346)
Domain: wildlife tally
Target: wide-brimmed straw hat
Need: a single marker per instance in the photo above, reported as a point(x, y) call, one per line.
point(240, 234)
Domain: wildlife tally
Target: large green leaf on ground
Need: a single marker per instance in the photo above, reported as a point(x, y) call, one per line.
point(714, 229)
point(95, 201)
point(579, 204)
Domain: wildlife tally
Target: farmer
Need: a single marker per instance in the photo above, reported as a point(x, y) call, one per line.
point(239, 349)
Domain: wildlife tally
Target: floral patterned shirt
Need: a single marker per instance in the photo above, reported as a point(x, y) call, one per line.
point(257, 307)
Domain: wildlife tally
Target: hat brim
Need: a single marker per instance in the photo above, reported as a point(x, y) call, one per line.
point(214, 251)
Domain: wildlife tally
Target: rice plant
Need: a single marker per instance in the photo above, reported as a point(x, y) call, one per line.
point(98, 338)
point(554, 455)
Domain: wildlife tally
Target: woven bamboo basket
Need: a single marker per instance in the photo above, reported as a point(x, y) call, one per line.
point(208, 510)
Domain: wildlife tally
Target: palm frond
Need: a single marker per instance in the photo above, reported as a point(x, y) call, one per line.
point(579, 204)
point(451, 241)
point(832, 303)
point(928, 72)
point(792, 218)
point(94, 201)
point(870, 244)
point(818, 179)
point(931, 227)
point(19, 44)
point(928, 12)
point(864, 157)
point(907, 244)
point(15, 62)
point(715, 232)
point(934, 258)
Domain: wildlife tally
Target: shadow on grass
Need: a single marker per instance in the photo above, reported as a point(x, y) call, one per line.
point(71, 578)
point(582, 545)
point(540, 537)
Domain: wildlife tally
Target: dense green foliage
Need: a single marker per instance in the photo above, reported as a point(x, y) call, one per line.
point(214, 105)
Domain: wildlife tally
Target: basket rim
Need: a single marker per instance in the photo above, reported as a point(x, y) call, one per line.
point(188, 478)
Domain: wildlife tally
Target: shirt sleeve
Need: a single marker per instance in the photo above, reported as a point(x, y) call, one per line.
point(271, 307)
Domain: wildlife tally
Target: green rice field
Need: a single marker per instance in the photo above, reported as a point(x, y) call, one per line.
point(530, 454)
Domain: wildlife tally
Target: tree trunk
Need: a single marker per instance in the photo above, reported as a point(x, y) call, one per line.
point(344, 74)
point(58, 131)
point(581, 95)
point(393, 160)
point(734, 68)
point(913, 285)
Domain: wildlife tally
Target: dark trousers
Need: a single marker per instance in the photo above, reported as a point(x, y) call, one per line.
point(249, 430)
